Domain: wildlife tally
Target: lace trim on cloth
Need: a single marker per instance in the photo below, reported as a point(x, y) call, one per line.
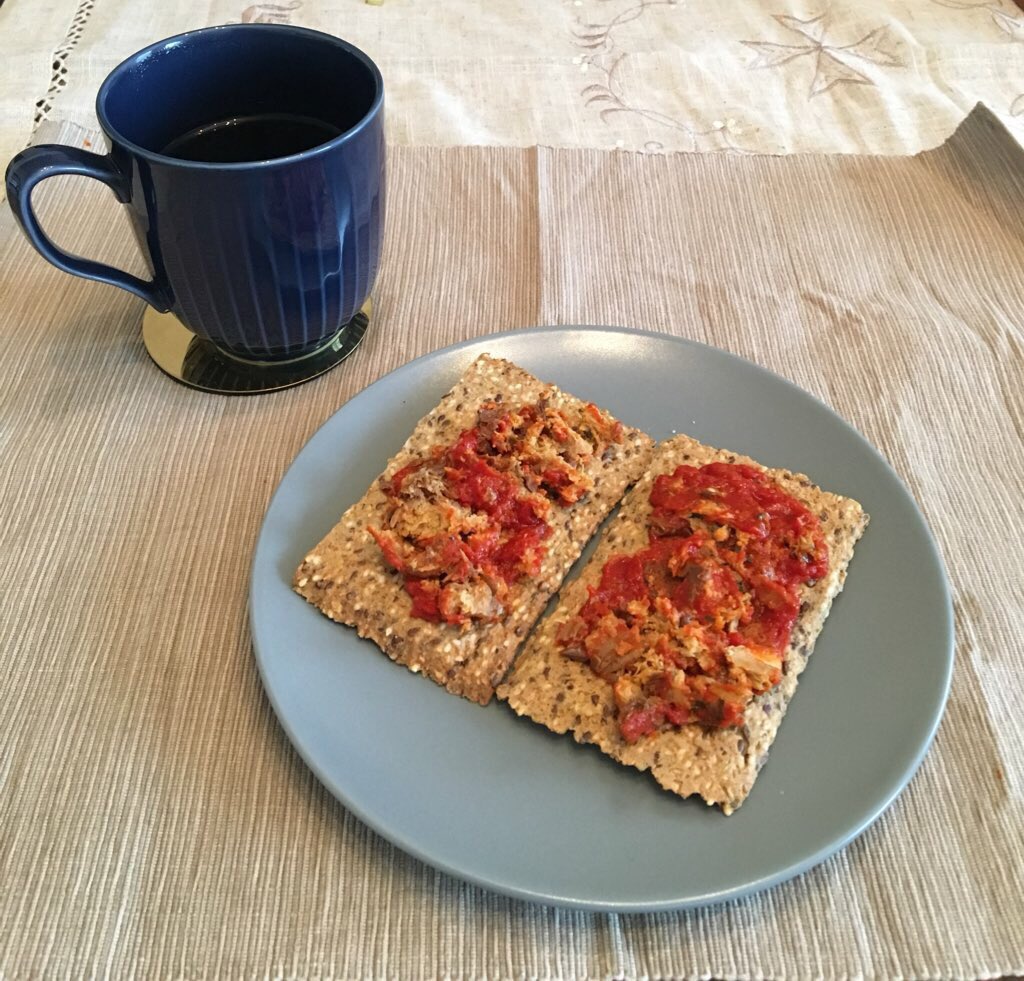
point(59, 78)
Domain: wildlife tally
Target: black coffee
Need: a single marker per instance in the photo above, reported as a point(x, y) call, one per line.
point(246, 138)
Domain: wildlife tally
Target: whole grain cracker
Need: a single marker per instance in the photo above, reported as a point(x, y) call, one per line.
point(720, 765)
point(346, 578)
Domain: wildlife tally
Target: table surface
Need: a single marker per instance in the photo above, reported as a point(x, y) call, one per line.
point(153, 819)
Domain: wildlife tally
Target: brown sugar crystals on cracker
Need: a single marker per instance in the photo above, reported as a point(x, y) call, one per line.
point(348, 577)
point(718, 764)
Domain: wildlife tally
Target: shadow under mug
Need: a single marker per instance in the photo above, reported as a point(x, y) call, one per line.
point(267, 259)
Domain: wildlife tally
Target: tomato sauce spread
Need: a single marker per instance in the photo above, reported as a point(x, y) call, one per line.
point(469, 521)
point(692, 627)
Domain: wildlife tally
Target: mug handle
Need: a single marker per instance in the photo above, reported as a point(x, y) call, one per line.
point(36, 164)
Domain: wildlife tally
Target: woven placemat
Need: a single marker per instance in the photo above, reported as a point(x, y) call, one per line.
point(154, 819)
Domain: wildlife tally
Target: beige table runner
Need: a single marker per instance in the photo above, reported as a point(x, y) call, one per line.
point(154, 819)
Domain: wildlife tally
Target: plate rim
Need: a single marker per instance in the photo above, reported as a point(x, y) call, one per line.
point(748, 888)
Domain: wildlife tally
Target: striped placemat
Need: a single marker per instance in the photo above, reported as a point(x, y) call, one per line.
point(154, 820)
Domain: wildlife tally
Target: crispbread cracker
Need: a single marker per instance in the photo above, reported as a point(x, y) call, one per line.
point(346, 578)
point(718, 764)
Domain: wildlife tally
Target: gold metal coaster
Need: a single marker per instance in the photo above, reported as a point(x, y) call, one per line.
point(200, 364)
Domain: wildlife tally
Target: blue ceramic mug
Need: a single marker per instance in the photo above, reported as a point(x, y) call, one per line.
point(251, 160)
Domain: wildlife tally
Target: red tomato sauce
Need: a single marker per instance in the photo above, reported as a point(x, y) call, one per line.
point(505, 474)
point(692, 627)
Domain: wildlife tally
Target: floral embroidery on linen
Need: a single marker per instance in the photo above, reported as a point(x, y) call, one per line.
point(270, 13)
point(835, 63)
point(1007, 17)
point(604, 55)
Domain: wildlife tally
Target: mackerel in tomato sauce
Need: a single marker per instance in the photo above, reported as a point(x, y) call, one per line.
point(467, 523)
point(692, 627)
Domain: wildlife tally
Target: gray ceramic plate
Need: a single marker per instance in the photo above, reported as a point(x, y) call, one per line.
point(500, 801)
